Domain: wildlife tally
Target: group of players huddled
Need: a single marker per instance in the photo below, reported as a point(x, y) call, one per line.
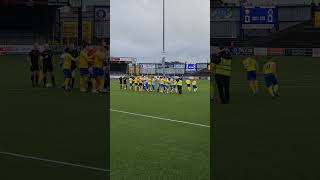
point(161, 84)
point(91, 64)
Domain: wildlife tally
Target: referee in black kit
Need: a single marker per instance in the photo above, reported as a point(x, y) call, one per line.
point(223, 67)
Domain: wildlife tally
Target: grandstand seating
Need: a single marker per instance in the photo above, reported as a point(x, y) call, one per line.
point(25, 27)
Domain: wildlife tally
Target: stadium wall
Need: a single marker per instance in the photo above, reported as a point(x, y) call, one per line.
point(24, 49)
point(247, 51)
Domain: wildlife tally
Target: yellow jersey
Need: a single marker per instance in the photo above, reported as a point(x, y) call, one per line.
point(149, 81)
point(167, 81)
point(269, 68)
point(162, 81)
point(188, 81)
point(83, 59)
point(174, 82)
point(250, 64)
point(194, 83)
point(67, 61)
point(130, 80)
point(98, 60)
point(136, 80)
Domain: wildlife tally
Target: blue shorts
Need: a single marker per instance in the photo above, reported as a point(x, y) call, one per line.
point(130, 84)
point(194, 86)
point(140, 84)
point(161, 86)
point(90, 71)
point(67, 73)
point(174, 86)
point(84, 71)
point(97, 71)
point(251, 75)
point(270, 80)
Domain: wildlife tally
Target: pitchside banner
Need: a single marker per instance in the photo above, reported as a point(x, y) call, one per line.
point(259, 17)
point(25, 49)
point(245, 51)
point(316, 52)
point(201, 66)
point(299, 52)
point(260, 51)
point(275, 51)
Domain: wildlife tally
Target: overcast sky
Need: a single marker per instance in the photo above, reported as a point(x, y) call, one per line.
point(136, 29)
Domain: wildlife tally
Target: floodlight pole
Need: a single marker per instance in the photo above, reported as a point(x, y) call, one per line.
point(80, 23)
point(163, 27)
point(163, 37)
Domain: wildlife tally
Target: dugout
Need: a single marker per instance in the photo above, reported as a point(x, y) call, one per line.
point(120, 65)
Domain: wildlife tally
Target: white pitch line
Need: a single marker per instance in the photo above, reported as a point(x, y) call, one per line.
point(53, 161)
point(161, 118)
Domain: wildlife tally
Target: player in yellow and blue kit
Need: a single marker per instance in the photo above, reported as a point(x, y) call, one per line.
point(153, 83)
point(149, 84)
point(174, 86)
point(84, 61)
point(251, 66)
point(188, 82)
point(162, 82)
point(130, 83)
point(140, 83)
point(98, 73)
point(136, 83)
point(194, 86)
point(270, 76)
point(167, 85)
point(67, 59)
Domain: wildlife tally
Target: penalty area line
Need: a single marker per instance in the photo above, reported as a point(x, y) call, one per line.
point(160, 118)
point(54, 161)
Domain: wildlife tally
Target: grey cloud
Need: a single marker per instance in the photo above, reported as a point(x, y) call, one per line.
point(136, 29)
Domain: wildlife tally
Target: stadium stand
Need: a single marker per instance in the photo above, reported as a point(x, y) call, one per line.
point(26, 26)
point(296, 28)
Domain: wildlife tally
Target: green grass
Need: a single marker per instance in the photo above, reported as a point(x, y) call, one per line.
point(51, 124)
point(146, 148)
point(72, 127)
point(258, 138)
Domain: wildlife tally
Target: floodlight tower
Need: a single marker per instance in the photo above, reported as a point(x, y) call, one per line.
point(163, 37)
point(80, 18)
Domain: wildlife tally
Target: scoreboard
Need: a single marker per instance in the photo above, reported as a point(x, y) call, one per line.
point(259, 17)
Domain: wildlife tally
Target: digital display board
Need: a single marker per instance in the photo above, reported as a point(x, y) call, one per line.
point(191, 67)
point(258, 17)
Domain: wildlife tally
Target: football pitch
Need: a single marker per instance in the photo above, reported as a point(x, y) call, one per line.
point(47, 133)
point(50, 134)
point(160, 136)
point(261, 138)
